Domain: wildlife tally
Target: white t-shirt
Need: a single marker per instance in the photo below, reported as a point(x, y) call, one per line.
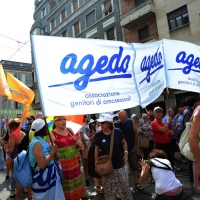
point(165, 180)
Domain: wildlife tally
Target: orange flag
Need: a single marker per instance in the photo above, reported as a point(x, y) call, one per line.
point(28, 111)
point(4, 89)
point(19, 91)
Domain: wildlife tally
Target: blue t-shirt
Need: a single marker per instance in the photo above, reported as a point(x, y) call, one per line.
point(172, 123)
point(180, 121)
point(103, 141)
point(127, 130)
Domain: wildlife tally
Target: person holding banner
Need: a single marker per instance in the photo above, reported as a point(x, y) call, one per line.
point(46, 180)
point(67, 148)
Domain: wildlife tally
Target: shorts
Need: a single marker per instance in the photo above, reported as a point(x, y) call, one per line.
point(133, 159)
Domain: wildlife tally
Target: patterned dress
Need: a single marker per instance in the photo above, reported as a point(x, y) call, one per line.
point(70, 164)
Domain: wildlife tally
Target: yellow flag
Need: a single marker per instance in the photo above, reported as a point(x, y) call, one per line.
point(4, 89)
point(19, 91)
point(28, 111)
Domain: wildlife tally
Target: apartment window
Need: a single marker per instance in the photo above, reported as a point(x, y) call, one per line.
point(90, 19)
point(52, 4)
point(44, 30)
point(110, 34)
point(76, 28)
point(64, 34)
point(178, 18)
point(63, 15)
point(143, 33)
point(107, 7)
point(75, 5)
point(18, 105)
point(43, 12)
point(139, 2)
point(18, 76)
point(53, 24)
point(28, 78)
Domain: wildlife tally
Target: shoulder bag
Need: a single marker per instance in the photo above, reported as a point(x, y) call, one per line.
point(104, 163)
point(184, 145)
point(144, 142)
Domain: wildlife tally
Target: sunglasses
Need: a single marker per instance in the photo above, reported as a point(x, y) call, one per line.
point(102, 123)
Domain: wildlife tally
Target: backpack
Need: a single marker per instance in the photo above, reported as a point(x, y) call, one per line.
point(23, 171)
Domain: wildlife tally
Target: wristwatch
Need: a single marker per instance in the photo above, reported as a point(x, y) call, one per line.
point(126, 152)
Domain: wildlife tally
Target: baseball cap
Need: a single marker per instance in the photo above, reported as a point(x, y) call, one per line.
point(157, 108)
point(91, 121)
point(31, 117)
point(105, 118)
point(37, 125)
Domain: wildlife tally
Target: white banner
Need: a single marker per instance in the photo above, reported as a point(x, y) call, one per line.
point(149, 71)
point(79, 76)
point(84, 76)
point(182, 61)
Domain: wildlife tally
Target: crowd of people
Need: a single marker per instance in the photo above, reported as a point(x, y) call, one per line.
point(78, 156)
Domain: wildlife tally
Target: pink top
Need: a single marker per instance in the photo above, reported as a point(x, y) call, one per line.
point(197, 112)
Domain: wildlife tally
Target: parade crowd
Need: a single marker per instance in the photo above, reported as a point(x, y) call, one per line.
point(143, 144)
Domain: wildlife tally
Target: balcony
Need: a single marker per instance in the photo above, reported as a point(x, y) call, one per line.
point(138, 15)
point(151, 38)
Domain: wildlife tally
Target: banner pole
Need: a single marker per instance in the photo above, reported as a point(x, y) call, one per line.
point(48, 133)
point(167, 97)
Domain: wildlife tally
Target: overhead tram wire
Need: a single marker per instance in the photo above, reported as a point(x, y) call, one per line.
point(123, 34)
point(14, 40)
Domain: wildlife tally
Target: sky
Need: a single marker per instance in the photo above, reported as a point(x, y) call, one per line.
point(16, 19)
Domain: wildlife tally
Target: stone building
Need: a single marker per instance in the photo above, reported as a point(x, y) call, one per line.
point(21, 71)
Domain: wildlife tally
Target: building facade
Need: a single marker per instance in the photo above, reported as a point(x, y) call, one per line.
point(97, 19)
point(138, 19)
point(148, 21)
point(21, 71)
point(179, 20)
